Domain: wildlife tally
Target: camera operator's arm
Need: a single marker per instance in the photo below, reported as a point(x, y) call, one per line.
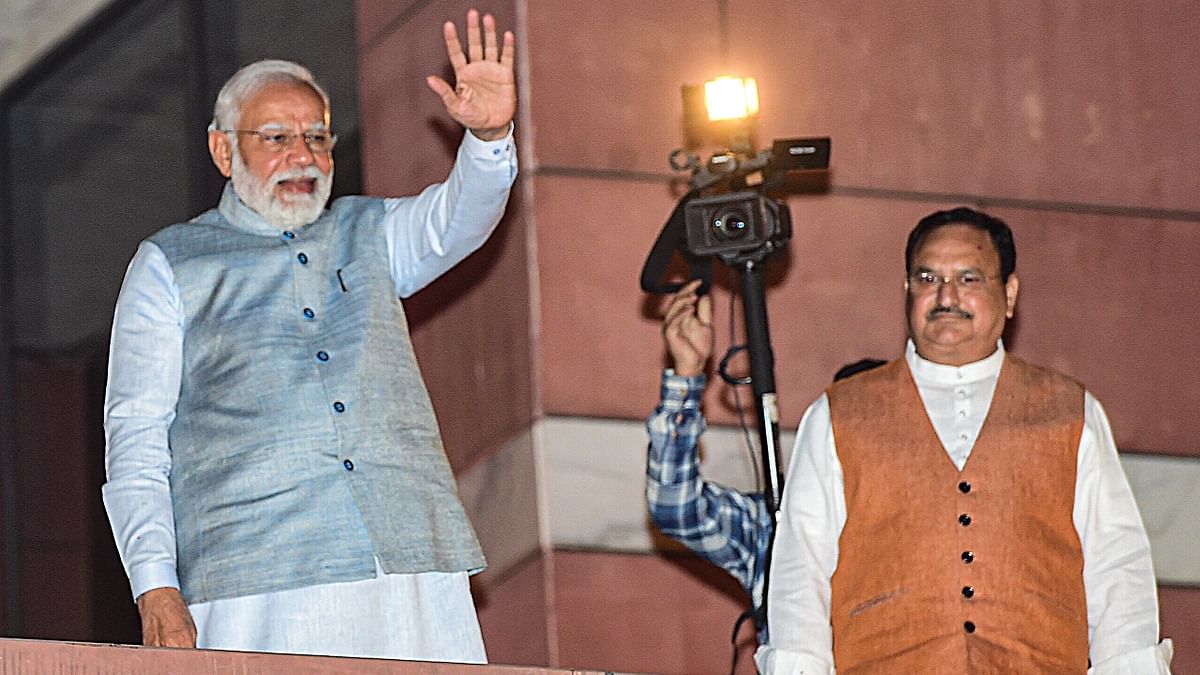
point(723, 526)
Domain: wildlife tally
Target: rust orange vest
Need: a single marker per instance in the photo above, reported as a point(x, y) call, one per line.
point(942, 571)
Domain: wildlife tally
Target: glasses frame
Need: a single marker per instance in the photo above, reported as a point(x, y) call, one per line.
point(291, 139)
point(917, 284)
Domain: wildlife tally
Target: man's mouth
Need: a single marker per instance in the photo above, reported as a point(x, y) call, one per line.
point(298, 185)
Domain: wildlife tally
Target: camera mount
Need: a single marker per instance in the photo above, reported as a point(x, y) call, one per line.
point(730, 213)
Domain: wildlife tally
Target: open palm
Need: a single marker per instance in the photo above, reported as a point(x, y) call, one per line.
point(484, 96)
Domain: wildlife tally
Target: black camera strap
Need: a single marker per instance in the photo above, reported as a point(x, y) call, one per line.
point(674, 238)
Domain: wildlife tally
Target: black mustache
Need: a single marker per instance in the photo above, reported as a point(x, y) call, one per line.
point(954, 311)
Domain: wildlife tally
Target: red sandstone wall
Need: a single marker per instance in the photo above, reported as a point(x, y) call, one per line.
point(635, 613)
point(928, 105)
point(1069, 122)
point(1073, 121)
point(471, 328)
point(1181, 622)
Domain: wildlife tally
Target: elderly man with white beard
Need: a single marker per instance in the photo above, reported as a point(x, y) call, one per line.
point(276, 478)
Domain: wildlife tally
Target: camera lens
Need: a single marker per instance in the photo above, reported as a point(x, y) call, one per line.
point(731, 224)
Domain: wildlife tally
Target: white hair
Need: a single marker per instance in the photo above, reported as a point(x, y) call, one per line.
point(251, 79)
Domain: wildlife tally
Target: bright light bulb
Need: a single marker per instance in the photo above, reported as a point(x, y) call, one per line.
point(731, 98)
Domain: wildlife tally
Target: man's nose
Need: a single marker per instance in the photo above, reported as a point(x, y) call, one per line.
point(300, 154)
point(947, 293)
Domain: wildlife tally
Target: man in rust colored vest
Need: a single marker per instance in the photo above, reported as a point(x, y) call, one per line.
point(916, 537)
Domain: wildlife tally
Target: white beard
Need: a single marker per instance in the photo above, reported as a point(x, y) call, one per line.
point(294, 211)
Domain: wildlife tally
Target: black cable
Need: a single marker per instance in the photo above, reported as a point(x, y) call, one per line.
point(737, 628)
point(756, 466)
point(737, 398)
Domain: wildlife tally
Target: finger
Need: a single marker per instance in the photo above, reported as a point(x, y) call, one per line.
point(179, 638)
point(506, 56)
point(681, 307)
point(158, 635)
point(704, 310)
point(449, 96)
point(491, 48)
point(685, 294)
point(682, 298)
point(443, 89)
point(671, 321)
point(474, 41)
point(454, 50)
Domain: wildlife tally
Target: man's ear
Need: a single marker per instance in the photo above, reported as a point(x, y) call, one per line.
point(221, 150)
point(1010, 294)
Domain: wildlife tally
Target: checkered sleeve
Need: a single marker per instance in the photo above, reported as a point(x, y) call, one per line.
point(724, 526)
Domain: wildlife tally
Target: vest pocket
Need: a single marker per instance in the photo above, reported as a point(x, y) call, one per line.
point(875, 602)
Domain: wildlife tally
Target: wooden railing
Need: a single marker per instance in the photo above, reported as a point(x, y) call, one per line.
point(30, 657)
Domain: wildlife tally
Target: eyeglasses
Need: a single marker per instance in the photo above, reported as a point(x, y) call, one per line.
point(967, 281)
point(281, 140)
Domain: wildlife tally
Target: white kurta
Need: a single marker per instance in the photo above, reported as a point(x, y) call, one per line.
point(1118, 577)
point(424, 617)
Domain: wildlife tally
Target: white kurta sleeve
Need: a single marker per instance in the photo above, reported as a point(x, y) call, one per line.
point(144, 370)
point(431, 232)
point(811, 517)
point(1118, 576)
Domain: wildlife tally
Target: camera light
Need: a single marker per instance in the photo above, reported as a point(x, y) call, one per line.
point(731, 98)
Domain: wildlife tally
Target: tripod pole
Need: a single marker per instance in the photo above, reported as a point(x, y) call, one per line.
point(762, 374)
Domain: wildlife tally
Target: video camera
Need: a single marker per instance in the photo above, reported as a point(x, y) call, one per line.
point(731, 210)
point(737, 219)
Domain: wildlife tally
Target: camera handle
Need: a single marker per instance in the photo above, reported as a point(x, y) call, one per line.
point(762, 383)
point(672, 238)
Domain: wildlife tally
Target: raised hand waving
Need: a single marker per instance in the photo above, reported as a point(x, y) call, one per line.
point(484, 96)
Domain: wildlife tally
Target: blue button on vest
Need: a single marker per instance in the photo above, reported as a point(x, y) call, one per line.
point(263, 501)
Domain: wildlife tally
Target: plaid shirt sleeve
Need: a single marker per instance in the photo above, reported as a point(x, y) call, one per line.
point(728, 528)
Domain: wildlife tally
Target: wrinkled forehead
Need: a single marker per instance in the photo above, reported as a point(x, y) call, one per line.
point(284, 104)
point(957, 246)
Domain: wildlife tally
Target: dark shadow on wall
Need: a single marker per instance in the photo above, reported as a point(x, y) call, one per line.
point(73, 586)
point(745, 641)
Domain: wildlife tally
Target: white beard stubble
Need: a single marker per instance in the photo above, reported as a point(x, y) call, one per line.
point(298, 210)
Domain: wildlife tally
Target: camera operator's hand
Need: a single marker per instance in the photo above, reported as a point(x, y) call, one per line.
point(688, 330)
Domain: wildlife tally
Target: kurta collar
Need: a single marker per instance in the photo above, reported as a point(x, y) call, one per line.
point(928, 372)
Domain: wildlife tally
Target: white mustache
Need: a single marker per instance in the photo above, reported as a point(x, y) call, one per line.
point(293, 173)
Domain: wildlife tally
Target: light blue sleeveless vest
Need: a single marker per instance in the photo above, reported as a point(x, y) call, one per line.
point(304, 443)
